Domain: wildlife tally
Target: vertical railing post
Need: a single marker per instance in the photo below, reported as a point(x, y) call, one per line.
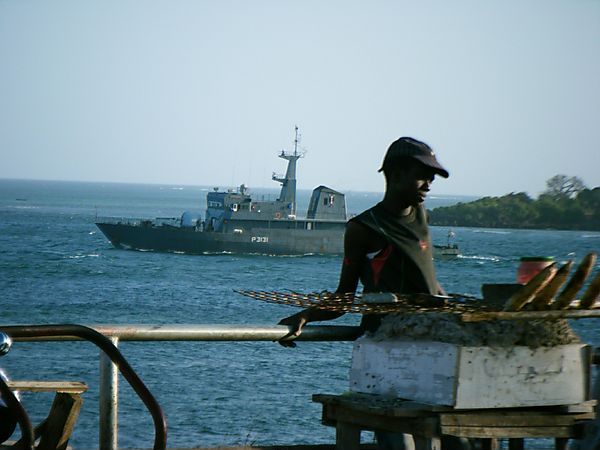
point(109, 402)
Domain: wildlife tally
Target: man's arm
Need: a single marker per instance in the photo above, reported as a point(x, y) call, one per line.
point(355, 245)
point(440, 289)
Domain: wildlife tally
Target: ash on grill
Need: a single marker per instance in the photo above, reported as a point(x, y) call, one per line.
point(443, 327)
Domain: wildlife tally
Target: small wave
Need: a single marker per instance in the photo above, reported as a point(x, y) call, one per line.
point(24, 207)
point(270, 255)
point(480, 258)
point(590, 236)
point(299, 256)
point(92, 232)
point(303, 255)
point(492, 231)
point(91, 255)
point(177, 188)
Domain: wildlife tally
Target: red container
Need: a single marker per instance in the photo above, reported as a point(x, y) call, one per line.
point(530, 266)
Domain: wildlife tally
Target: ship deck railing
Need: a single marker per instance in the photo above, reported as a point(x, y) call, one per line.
point(108, 380)
point(157, 221)
point(136, 221)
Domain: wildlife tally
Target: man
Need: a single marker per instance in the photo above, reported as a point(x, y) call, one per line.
point(387, 247)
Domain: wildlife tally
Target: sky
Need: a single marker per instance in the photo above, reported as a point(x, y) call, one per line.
point(208, 92)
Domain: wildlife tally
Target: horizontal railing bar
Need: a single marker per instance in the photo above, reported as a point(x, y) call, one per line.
point(283, 447)
point(189, 332)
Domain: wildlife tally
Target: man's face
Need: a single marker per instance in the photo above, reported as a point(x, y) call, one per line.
point(411, 184)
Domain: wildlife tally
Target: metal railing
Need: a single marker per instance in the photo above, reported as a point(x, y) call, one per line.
point(27, 436)
point(109, 396)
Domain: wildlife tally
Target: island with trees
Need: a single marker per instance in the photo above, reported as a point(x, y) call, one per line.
point(566, 204)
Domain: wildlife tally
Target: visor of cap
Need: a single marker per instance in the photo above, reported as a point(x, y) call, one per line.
point(429, 161)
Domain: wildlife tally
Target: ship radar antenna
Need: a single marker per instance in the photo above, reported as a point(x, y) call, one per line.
point(299, 151)
point(288, 181)
point(296, 139)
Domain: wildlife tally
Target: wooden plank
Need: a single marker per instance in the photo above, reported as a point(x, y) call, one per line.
point(380, 405)
point(407, 408)
point(512, 419)
point(60, 422)
point(580, 407)
point(73, 387)
point(376, 421)
point(375, 409)
point(508, 432)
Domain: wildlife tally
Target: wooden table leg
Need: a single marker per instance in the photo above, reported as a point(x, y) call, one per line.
point(60, 422)
point(427, 443)
point(516, 444)
point(347, 436)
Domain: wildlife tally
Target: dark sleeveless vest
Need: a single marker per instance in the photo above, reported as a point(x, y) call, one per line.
point(405, 264)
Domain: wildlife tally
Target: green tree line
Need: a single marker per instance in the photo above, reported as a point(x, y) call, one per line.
point(565, 205)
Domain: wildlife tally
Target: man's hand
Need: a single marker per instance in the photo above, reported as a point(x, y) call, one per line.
point(298, 320)
point(296, 323)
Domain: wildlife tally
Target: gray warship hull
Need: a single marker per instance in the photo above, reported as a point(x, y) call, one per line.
point(271, 238)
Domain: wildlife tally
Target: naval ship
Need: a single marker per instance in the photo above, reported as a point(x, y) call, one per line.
point(235, 223)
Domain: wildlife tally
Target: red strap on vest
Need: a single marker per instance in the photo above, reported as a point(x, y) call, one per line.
point(379, 261)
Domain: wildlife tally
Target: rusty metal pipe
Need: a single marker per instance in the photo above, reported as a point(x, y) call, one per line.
point(212, 333)
point(89, 334)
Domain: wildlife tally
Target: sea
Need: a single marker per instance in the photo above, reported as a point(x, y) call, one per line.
point(56, 267)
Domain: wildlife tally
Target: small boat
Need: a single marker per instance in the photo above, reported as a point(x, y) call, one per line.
point(448, 251)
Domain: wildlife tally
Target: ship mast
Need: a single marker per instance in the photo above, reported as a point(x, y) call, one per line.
point(288, 182)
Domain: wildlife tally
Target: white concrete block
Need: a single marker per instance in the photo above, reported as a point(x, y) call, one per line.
point(471, 377)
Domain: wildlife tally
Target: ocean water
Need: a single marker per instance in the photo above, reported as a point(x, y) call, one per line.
point(56, 267)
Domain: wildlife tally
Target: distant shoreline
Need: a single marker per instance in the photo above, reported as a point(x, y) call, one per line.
point(519, 211)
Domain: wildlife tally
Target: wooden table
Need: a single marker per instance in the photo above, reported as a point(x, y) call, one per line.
point(351, 413)
point(55, 430)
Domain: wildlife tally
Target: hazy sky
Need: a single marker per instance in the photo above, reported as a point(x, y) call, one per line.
point(208, 92)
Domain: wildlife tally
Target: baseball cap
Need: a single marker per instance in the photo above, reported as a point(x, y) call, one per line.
point(409, 147)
